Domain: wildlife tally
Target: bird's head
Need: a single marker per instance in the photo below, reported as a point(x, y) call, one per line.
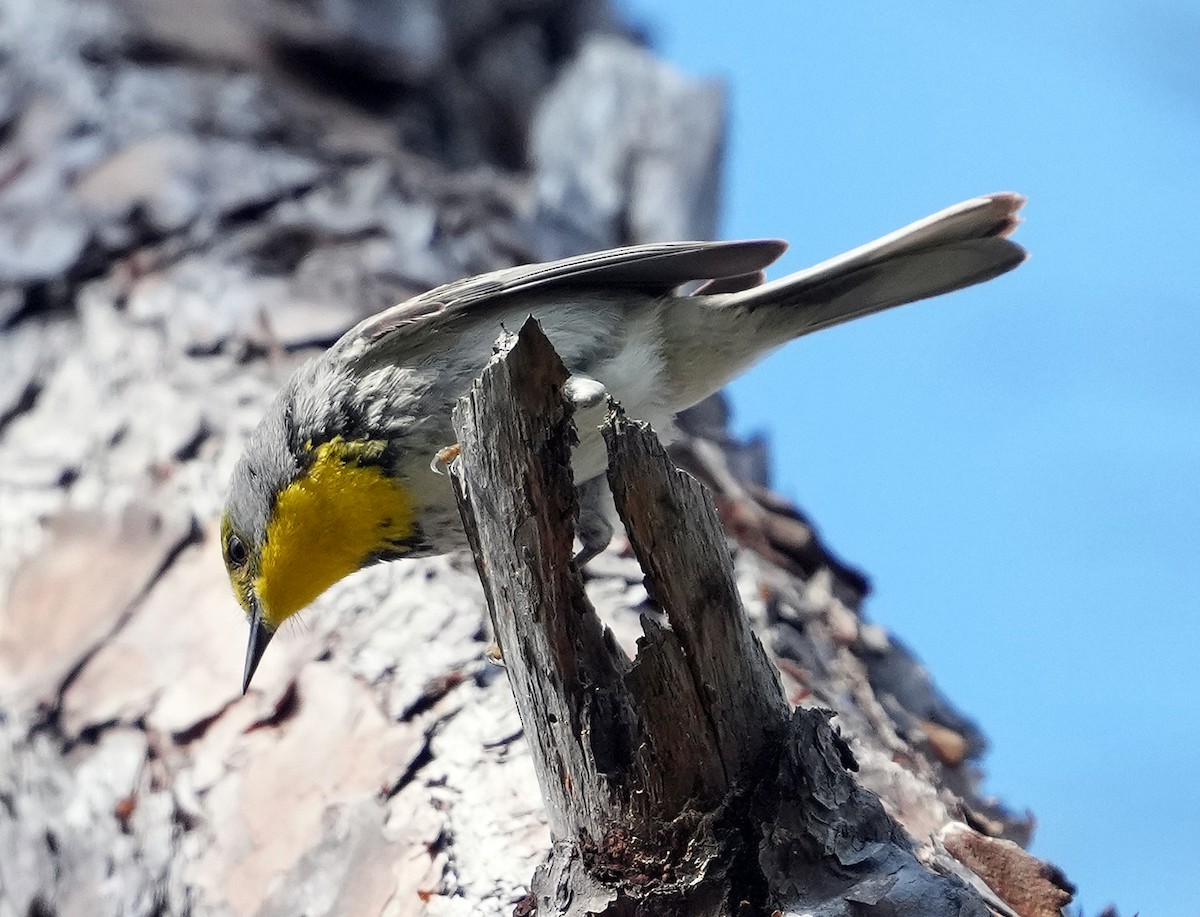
point(299, 517)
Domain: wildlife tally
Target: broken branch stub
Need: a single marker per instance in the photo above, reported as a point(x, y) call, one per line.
point(515, 491)
point(680, 782)
point(678, 539)
point(638, 762)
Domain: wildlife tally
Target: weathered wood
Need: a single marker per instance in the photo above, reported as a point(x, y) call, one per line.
point(639, 764)
point(514, 478)
point(680, 543)
point(680, 783)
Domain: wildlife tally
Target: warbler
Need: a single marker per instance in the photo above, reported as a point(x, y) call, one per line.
point(337, 475)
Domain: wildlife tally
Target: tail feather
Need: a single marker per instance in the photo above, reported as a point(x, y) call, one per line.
point(961, 246)
point(725, 326)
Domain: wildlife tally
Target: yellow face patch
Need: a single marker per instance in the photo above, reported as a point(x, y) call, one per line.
point(329, 523)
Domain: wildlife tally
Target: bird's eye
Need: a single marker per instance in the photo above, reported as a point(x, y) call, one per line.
point(235, 549)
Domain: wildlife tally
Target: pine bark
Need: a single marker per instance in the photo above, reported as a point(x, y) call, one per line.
point(193, 199)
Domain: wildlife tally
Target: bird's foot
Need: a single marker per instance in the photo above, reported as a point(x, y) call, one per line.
point(443, 457)
point(594, 525)
point(493, 655)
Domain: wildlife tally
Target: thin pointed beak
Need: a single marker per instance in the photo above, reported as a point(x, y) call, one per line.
point(260, 636)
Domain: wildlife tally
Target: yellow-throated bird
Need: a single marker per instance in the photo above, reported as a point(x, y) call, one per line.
point(336, 477)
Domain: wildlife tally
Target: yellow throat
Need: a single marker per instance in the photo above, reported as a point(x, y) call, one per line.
point(328, 523)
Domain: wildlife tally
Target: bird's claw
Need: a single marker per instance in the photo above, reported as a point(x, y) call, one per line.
point(493, 655)
point(443, 457)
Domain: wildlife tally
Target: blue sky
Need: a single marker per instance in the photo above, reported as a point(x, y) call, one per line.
point(1017, 466)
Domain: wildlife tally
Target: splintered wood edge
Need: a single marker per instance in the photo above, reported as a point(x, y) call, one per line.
point(516, 495)
point(589, 716)
point(681, 545)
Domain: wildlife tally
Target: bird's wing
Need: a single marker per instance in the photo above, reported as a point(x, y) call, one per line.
point(654, 268)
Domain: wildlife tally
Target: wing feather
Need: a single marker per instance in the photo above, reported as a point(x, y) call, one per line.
point(655, 268)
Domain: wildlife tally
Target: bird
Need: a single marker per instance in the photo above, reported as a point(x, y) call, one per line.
point(336, 476)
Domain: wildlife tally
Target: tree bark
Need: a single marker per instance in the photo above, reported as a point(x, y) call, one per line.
point(195, 197)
